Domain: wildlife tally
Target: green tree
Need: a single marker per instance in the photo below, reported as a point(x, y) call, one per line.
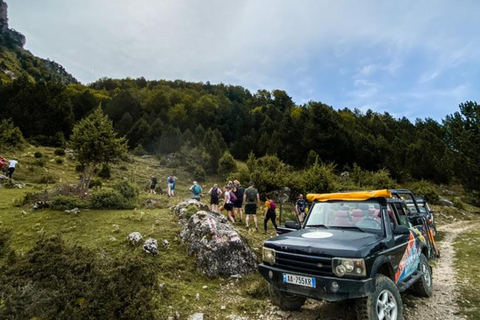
point(10, 136)
point(463, 138)
point(95, 143)
point(227, 164)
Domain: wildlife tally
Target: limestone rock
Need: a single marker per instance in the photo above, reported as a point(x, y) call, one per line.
point(217, 245)
point(445, 202)
point(134, 238)
point(196, 316)
point(282, 195)
point(151, 246)
point(74, 211)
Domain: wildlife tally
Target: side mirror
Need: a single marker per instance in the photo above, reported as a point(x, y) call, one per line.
point(401, 229)
point(292, 225)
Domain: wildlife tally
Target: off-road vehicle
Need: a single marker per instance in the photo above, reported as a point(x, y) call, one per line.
point(356, 245)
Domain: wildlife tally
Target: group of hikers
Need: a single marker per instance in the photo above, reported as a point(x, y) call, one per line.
point(8, 167)
point(237, 201)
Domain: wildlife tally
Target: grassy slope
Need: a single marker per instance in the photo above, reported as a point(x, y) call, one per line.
point(93, 229)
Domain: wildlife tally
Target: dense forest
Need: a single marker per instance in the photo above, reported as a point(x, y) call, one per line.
point(161, 117)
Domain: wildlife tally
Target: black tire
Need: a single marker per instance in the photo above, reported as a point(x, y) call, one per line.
point(384, 300)
point(424, 285)
point(285, 301)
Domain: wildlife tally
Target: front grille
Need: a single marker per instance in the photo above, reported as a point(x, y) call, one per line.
point(303, 263)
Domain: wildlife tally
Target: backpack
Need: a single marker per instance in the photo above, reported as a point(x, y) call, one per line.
point(251, 195)
point(214, 194)
point(240, 192)
point(233, 197)
point(154, 180)
point(196, 190)
point(273, 205)
point(170, 180)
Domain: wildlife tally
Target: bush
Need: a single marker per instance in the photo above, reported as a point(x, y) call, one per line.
point(139, 150)
point(104, 172)
point(199, 173)
point(127, 189)
point(227, 164)
point(40, 162)
point(10, 136)
point(123, 168)
point(37, 154)
point(457, 203)
point(473, 198)
point(67, 202)
point(95, 183)
point(4, 241)
point(372, 179)
point(55, 281)
point(46, 179)
point(79, 168)
point(109, 199)
point(425, 189)
point(320, 178)
point(59, 152)
point(59, 160)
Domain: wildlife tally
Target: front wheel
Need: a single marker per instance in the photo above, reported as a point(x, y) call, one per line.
point(285, 301)
point(384, 303)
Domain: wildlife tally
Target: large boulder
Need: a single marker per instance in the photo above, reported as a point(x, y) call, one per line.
point(151, 246)
point(188, 208)
point(217, 245)
point(282, 195)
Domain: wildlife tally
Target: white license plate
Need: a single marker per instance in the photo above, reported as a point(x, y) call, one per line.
point(299, 280)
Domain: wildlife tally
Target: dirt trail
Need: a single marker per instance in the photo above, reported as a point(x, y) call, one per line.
point(440, 306)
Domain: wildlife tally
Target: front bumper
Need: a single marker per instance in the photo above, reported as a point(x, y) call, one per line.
point(347, 288)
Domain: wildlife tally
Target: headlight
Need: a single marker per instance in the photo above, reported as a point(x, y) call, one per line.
point(268, 255)
point(350, 267)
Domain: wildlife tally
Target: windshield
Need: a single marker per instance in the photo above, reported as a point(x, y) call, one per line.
point(363, 215)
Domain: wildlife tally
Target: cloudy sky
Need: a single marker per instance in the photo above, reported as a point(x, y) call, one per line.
point(410, 58)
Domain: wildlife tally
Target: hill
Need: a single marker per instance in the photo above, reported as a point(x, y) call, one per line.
point(17, 62)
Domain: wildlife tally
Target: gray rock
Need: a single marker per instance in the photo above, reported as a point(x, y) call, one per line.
point(282, 195)
point(182, 208)
point(134, 238)
point(24, 213)
point(41, 205)
point(217, 245)
point(196, 316)
point(147, 156)
point(3, 177)
point(112, 239)
point(19, 186)
point(151, 246)
point(445, 202)
point(165, 243)
point(74, 211)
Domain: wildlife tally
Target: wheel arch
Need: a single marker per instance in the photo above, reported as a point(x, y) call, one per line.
point(383, 266)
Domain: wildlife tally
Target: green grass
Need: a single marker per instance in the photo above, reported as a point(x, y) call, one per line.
point(468, 256)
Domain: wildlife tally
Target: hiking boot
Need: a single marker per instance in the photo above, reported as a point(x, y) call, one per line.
point(256, 229)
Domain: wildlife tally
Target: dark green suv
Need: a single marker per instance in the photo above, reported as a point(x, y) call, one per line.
point(356, 245)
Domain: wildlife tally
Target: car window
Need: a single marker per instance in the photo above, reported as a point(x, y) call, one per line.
point(402, 212)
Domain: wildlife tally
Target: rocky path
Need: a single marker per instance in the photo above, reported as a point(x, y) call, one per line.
point(440, 306)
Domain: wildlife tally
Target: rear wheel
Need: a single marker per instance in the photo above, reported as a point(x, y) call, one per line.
point(424, 285)
point(285, 301)
point(384, 303)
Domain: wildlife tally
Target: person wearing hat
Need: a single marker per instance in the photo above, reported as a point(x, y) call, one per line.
point(196, 190)
point(251, 199)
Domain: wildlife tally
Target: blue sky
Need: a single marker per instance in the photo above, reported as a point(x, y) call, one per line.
point(409, 58)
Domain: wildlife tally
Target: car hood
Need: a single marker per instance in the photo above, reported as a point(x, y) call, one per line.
point(327, 242)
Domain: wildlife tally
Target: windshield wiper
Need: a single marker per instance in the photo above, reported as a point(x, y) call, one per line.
point(348, 227)
point(317, 225)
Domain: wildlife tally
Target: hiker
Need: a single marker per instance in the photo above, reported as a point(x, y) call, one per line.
point(300, 207)
point(228, 204)
point(11, 167)
point(270, 214)
point(238, 205)
point(169, 185)
point(251, 199)
point(215, 194)
point(153, 184)
point(196, 190)
point(172, 188)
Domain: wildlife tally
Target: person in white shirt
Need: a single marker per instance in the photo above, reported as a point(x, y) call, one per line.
point(11, 167)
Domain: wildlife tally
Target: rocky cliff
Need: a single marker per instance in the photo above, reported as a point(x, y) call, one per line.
point(16, 62)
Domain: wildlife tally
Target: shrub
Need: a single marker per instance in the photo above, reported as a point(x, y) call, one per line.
point(79, 168)
point(4, 241)
point(10, 136)
point(37, 154)
point(59, 160)
point(123, 168)
point(67, 202)
point(46, 179)
point(199, 173)
point(127, 189)
point(425, 189)
point(139, 150)
point(227, 164)
point(95, 183)
point(372, 180)
point(457, 203)
point(59, 152)
point(109, 199)
point(320, 178)
point(40, 162)
point(473, 198)
point(55, 281)
point(104, 172)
